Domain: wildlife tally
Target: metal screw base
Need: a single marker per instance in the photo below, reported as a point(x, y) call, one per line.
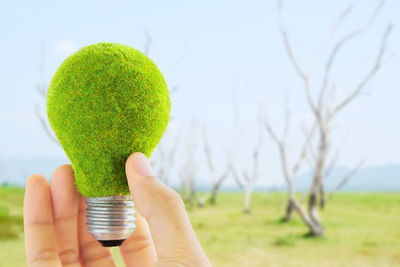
point(110, 220)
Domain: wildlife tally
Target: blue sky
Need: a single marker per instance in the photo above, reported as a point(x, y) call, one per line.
point(222, 47)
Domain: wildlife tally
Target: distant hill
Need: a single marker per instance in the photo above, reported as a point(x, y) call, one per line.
point(370, 178)
point(16, 171)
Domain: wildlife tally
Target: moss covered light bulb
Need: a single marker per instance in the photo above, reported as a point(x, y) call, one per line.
point(105, 102)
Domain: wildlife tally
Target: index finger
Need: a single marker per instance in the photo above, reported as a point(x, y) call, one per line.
point(40, 242)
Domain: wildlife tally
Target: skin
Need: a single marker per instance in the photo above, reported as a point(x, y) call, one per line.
point(56, 232)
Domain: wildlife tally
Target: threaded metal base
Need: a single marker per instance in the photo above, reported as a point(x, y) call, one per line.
point(111, 218)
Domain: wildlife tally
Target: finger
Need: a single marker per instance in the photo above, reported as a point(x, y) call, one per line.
point(40, 242)
point(138, 249)
point(91, 252)
point(65, 213)
point(165, 213)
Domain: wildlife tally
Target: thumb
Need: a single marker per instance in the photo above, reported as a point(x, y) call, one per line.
point(163, 208)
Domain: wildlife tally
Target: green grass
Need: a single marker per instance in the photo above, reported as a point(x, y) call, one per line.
point(362, 229)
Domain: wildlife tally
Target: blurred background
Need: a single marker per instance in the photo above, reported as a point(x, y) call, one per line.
point(283, 139)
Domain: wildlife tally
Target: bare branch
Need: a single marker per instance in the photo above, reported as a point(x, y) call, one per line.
point(257, 148)
point(246, 176)
point(173, 149)
point(235, 175)
point(310, 148)
point(310, 162)
point(165, 157)
point(189, 168)
point(148, 42)
point(231, 151)
point(44, 125)
point(306, 218)
point(304, 149)
point(328, 112)
point(288, 47)
point(222, 177)
point(271, 131)
point(350, 36)
point(182, 56)
point(232, 168)
point(174, 89)
point(41, 89)
point(346, 178)
point(340, 44)
point(248, 181)
point(287, 120)
point(41, 86)
point(282, 146)
point(282, 153)
point(369, 75)
point(207, 150)
point(293, 59)
point(335, 26)
point(332, 164)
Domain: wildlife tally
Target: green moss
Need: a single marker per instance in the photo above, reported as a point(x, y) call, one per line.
point(105, 102)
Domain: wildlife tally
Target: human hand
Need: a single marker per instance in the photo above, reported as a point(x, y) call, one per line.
point(56, 233)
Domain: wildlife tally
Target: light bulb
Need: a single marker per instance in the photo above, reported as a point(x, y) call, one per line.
point(105, 102)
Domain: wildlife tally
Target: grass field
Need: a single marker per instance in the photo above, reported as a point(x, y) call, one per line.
point(362, 229)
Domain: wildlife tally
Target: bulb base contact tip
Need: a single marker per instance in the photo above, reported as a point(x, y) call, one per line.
point(111, 243)
point(110, 220)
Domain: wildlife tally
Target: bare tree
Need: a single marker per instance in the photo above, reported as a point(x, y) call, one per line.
point(247, 180)
point(217, 177)
point(41, 88)
point(188, 168)
point(148, 42)
point(163, 158)
point(324, 106)
point(290, 172)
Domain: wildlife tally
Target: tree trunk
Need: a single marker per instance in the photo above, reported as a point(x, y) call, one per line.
point(214, 193)
point(322, 199)
point(192, 197)
point(201, 202)
point(316, 227)
point(289, 211)
point(291, 201)
point(247, 199)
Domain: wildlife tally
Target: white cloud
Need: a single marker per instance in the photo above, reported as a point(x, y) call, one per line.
point(64, 48)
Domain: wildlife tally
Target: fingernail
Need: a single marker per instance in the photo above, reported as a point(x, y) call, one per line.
point(142, 165)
